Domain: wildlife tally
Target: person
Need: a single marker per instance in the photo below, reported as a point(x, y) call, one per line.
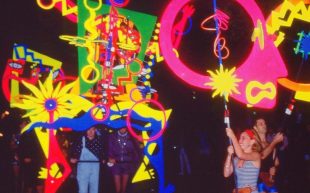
point(14, 147)
point(88, 153)
point(246, 163)
point(123, 156)
point(6, 172)
point(260, 131)
point(64, 139)
point(31, 159)
point(270, 161)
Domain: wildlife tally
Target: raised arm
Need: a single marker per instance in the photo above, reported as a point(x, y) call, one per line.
point(228, 167)
point(267, 150)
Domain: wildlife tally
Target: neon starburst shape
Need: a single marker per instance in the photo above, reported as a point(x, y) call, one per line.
point(47, 104)
point(224, 82)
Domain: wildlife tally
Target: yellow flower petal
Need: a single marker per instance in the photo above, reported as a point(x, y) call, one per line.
point(66, 88)
point(34, 90)
point(49, 84)
point(36, 111)
point(64, 112)
point(43, 90)
point(33, 99)
point(56, 91)
point(64, 98)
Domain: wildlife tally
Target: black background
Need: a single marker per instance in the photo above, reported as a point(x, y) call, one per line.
point(197, 119)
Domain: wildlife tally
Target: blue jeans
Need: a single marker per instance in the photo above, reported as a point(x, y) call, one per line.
point(88, 177)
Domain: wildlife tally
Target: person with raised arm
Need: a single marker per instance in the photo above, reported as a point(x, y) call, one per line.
point(246, 162)
point(270, 161)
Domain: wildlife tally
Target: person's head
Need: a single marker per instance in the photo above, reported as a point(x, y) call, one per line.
point(123, 130)
point(247, 141)
point(260, 126)
point(91, 133)
point(23, 123)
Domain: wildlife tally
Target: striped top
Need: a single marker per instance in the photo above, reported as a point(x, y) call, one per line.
point(247, 175)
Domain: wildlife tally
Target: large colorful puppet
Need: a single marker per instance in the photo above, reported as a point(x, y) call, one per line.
point(113, 86)
point(117, 48)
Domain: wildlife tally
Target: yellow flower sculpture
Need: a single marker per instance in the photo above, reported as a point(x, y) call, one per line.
point(223, 82)
point(47, 104)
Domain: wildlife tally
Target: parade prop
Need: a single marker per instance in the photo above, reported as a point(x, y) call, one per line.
point(117, 49)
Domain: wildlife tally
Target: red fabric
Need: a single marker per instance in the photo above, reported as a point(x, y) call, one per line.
point(250, 133)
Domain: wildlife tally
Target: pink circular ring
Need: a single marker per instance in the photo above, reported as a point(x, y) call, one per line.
point(130, 129)
point(107, 110)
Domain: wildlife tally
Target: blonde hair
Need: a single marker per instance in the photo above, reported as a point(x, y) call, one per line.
point(257, 147)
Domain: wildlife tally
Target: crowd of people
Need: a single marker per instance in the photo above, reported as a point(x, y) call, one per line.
point(89, 153)
point(254, 159)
